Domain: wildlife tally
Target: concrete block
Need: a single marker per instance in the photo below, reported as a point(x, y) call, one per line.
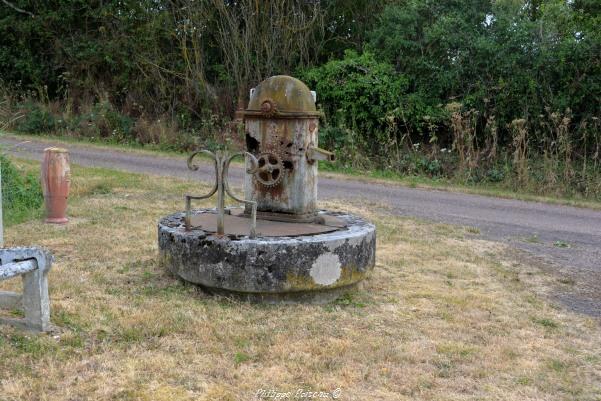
point(33, 265)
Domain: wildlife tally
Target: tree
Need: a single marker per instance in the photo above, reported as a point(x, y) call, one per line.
point(255, 39)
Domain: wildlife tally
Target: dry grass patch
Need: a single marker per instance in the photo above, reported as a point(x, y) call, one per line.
point(443, 317)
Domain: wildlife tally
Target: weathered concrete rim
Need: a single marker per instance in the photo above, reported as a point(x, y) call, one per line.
point(356, 225)
point(307, 268)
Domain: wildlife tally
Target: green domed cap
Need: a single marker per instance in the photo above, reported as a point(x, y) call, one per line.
point(281, 94)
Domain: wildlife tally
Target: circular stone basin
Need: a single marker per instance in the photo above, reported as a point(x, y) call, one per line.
point(314, 268)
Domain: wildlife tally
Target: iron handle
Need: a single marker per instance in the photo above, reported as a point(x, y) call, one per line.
point(315, 153)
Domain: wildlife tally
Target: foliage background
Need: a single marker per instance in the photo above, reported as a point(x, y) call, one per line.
point(506, 92)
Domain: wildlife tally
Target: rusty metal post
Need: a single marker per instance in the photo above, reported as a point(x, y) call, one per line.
point(188, 212)
point(220, 194)
point(251, 203)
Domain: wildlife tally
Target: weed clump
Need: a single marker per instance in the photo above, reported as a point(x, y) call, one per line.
point(21, 193)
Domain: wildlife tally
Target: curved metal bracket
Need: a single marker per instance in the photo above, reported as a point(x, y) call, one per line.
point(194, 167)
point(222, 163)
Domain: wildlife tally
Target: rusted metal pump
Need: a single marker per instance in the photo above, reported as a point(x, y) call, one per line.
point(281, 175)
point(281, 125)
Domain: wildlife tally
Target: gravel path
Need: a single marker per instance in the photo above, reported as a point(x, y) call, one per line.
point(568, 239)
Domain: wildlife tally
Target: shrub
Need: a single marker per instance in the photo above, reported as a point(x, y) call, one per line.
point(102, 122)
point(21, 193)
point(36, 119)
point(357, 93)
point(367, 107)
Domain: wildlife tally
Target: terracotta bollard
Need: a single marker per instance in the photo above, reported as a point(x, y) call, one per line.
point(56, 181)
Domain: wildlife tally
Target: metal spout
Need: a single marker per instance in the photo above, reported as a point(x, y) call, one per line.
point(315, 153)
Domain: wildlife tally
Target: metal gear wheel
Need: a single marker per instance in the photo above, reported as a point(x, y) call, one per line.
point(270, 169)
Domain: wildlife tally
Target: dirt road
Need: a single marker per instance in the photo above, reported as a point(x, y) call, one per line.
point(568, 239)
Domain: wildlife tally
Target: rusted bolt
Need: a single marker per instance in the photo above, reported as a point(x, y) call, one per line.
point(268, 107)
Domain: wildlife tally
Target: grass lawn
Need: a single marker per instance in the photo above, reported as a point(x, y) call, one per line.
point(444, 316)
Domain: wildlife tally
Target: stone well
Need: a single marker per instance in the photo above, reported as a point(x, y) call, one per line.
point(280, 247)
point(312, 267)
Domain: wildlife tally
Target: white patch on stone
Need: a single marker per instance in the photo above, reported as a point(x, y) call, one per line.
point(326, 269)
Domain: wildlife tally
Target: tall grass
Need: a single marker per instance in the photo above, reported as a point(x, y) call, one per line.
point(101, 121)
point(547, 155)
point(21, 193)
